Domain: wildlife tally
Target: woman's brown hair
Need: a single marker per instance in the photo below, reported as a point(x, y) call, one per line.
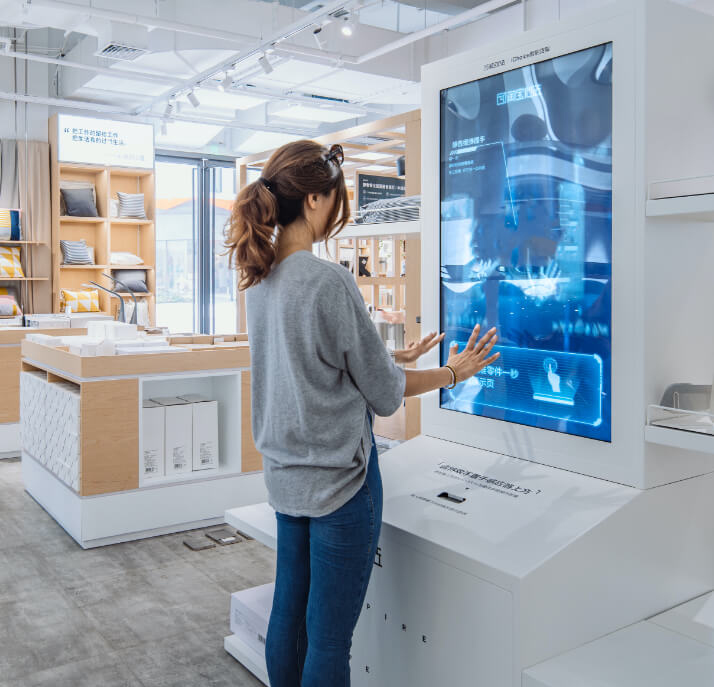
point(262, 208)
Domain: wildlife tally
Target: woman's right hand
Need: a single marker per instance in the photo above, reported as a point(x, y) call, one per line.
point(475, 357)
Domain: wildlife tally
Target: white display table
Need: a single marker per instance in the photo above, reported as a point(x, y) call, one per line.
point(84, 434)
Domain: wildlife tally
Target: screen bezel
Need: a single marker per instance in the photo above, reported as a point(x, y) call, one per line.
point(445, 343)
point(614, 25)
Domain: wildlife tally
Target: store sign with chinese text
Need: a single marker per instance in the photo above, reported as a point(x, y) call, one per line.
point(86, 140)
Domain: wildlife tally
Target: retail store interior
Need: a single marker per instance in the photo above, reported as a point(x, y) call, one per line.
point(544, 168)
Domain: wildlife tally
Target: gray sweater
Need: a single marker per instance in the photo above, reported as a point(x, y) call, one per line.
point(317, 366)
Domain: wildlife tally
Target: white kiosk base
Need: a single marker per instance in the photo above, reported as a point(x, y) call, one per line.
point(10, 446)
point(489, 565)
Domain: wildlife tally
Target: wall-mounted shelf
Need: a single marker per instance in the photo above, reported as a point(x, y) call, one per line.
point(686, 429)
point(695, 208)
point(398, 230)
point(84, 267)
point(8, 242)
point(24, 279)
point(130, 267)
point(129, 221)
point(71, 219)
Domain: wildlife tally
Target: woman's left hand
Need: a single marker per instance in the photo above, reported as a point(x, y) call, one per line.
point(416, 349)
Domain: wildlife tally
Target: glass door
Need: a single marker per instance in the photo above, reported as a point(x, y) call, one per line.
point(220, 304)
point(196, 290)
point(178, 201)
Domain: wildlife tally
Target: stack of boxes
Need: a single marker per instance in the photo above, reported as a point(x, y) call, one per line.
point(179, 436)
point(250, 614)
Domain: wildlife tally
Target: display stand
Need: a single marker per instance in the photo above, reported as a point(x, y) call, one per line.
point(10, 364)
point(83, 422)
point(378, 144)
point(105, 234)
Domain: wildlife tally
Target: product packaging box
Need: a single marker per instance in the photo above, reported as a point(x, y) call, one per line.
point(178, 443)
point(153, 440)
point(250, 613)
point(205, 431)
point(47, 321)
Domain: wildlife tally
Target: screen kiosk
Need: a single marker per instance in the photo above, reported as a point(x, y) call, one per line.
point(531, 516)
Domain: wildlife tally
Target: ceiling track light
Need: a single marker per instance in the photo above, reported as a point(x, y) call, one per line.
point(264, 63)
point(226, 83)
point(320, 38)
point(348, 27)
point(193, 99)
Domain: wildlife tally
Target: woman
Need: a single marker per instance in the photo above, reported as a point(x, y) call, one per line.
point(319, 372)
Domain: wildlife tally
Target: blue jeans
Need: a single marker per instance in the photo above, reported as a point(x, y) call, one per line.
point(324, 565)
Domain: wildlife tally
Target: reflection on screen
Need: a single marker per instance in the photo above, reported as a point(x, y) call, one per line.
point(526, 240)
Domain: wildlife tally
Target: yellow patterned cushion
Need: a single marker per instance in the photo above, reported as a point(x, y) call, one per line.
point(79, 301)
point(10, 263)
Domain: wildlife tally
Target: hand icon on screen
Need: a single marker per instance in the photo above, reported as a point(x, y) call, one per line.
point(553, 378)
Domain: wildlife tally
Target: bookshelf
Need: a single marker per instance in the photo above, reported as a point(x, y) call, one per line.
point(105, 234)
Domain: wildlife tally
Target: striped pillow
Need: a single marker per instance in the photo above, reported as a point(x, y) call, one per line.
point(76, 253)
point(131, 205)
point(9, 307)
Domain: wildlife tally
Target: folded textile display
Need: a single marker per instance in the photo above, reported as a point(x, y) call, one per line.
point(9, 305)
point(10, 225)
point(390, 210)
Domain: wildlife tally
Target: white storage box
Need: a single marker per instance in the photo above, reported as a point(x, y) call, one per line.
point(153, 438)
point(178, 442)
point(82, 319)
point(250, 614)
point(47, 321)
point(205, 431)
point(116, 331)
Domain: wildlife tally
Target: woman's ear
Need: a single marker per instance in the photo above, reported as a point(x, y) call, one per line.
point(312, 201)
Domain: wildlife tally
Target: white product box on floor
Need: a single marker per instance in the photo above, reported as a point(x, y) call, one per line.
point(178, 445)
point(153, 440)
point(205, 431)
point(250, 615)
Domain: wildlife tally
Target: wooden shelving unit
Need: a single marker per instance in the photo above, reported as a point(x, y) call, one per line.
point(393, 138)
point(105, 234)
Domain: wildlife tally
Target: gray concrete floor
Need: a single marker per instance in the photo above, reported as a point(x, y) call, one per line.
point(150, 613)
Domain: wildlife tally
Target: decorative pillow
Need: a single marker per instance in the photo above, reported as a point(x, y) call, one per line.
point(131, 205)
point(71, 184)
point(123, 258)
point(76, 253)
point(10, 225)
point(79, 301)
point(113, 208)
point(133, 279)
point(79, 202)
point(9, 307)
point(10, 262)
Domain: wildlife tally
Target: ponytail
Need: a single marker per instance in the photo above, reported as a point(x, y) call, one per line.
point(276, 200)
point(250, 234)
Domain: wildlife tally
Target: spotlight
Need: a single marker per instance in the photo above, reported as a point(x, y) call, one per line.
point(348, 27)
point(226, 83)
point(319, 38)
point(193, 99)
point(265, 64)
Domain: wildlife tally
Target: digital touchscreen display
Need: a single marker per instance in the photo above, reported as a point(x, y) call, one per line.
point(526, 240)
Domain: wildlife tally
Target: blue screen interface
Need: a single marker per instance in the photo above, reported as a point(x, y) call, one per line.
point(526, 240)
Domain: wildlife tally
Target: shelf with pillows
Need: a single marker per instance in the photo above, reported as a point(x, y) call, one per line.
point(82, 220)
point(103, 222)
point(2, 279)
point(10, 242)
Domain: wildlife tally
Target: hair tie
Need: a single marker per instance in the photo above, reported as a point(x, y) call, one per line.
point(266, 183)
